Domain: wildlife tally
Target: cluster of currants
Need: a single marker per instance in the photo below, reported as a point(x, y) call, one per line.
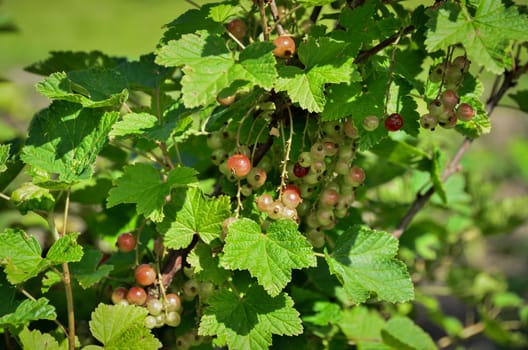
point(446, 109)
point(163, 310)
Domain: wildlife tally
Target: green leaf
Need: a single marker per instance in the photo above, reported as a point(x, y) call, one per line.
point(402, 333)
point(27, 311)
point(43, 341)
point(206, 266)
point(30, 197)
point(256, 65)
point(65, 249)
point(122, 327)
point(197, 215)
point(521, 97)
point(364, 263)
point(363, 326)
point(4, 156)
point(145, 74)
point(402, 154)
point(88, 271)
point(326, 61)
point(269, 257)
point(325, 313)
point(222, 12)
point(485, 28)
point(91, 88)
point(143, 185)
point(21, 255)
point(248, 321)
point(133, 124)
point(64, 139)
point(67, 61)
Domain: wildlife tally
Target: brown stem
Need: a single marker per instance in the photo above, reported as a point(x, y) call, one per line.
point(276, 17)
point(263, 21)
point(365, 54)
point(175, 262)
point(509, 80)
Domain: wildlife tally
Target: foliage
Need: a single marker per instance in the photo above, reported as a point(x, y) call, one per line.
point(312, 234)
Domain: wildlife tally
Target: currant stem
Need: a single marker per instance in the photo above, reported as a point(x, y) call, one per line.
point(239, 200)
point(5, 196)
point(276, 17)
point(391, 72)
point(263, 20)
point(284, 173)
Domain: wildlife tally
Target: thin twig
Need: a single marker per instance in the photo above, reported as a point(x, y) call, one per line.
point(365, 54)
point(5, 196)
point(263, 20)
point(175, 262)
point(276, 17)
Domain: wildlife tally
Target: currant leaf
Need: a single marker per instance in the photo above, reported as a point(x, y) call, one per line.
point(65, 139)
point(364, 327)
point(249, 321)
point(34, 339)
point(121, 326)
point(485, 29)
point(196, 215)
point(27, 311)
point(364, 263)
point(67, 61)
point(4, 156)
point(88, 271)
point(402, 333)
point(142, 184)
point(269, 257)
point(206, 266)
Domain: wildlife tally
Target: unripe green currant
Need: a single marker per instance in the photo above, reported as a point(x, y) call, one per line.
point(370, 123)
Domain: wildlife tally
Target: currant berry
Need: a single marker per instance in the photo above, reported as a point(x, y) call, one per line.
point(172, 302)
point(370, 123)
point(264, 202)
point(305, 159)
point(150, 322)
point(316, 238)
point(461, 62)
point(465, 112)
point(449, 99)
point(136, 296)
point(275, 210)
point(226, 100)
point(172, 319)
point(291, 198)
point(292, 187)
point(332, 128)
point(290, 213)
point(191, 289)
point(330, 147)
point(394, 122)
point(454, 74)
point(218, 156)
point(216, 140)
point(329, 198)
point(206, 289)
point(325, 216)
point(355, 177)
point(450, 123)
point(154, 306)
point(239, 165)
point(437, 73)
point(427, 121)
point(238, 28)
point(284, 46)
point(256, 177)
point(145, 275)
point(126, 242)
point(436, 108)
point(318, 166)
point(300, 171)
point(350, 129)
point(119, 294)
point(317, 151)
point(342, 166)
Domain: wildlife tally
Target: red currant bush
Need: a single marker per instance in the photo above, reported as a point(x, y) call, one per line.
point(126, 242)
point(394, 122)
point(239, 165)
point(284, 46)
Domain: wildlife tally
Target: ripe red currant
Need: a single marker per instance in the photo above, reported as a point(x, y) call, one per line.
point(299, 170)
point(291, 198)
point(238, 28)
point(465, 112)
point(355, 177)
point(126, 242)
point(145, 275)
point(137, 296)
point(292, 187)
point(239, 165)
point(264, 202)
point(394, 122)
point(284, 46)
